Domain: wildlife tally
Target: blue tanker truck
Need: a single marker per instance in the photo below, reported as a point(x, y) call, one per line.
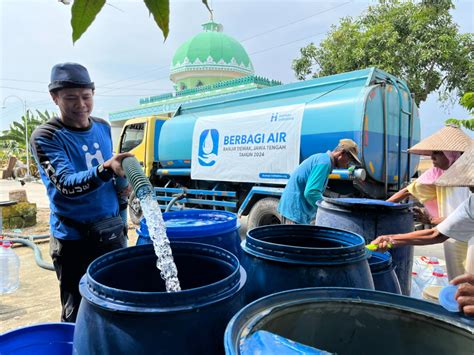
point(237, 151)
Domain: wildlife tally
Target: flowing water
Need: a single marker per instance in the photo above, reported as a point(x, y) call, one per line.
point(157, 229)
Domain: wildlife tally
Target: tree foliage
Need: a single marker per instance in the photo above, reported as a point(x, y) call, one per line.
point(417, 41)
point(84, 12)
point(15, 136)
point(467, 100)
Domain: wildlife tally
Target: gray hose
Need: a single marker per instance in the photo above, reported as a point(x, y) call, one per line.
point(174, 200)
point(38, 256)
point(28, 237)
point(134, 173)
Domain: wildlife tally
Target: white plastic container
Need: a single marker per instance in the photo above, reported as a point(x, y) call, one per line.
point(9, 268)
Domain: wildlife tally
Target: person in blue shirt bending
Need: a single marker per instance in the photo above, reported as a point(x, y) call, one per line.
point(75, 160)
point(308, 182)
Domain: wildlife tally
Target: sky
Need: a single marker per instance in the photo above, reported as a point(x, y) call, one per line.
point(128, 58)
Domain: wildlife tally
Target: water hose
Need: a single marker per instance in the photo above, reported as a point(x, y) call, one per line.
point(134, 173)
point(175, 199)
point(38, 256)
point(28, 237)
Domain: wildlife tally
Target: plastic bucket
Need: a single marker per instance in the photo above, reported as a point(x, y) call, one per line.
point(284, 257)
point(219, 228)
point(371, 218)
point(351, 321)
point(125, 309)
point(383, 273)
point(39, 339)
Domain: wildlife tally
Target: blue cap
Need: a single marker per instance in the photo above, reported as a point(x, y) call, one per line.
point(447, 300)
point(70, 75)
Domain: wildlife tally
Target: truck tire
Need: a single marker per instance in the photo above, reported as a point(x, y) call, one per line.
point(134, 209)
point(264, 213)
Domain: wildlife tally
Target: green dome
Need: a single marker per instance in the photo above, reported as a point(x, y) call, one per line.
point(211, 51)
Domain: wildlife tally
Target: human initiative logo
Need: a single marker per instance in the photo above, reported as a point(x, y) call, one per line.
point(208, 147)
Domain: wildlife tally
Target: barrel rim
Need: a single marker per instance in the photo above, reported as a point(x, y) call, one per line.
point(348, 253)
point(380, 262)
point(328, 202)
point(110, 298)
point(230, 224)
point(252, 313)
point(64, 327)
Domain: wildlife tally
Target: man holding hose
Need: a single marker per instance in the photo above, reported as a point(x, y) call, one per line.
point(75, 160)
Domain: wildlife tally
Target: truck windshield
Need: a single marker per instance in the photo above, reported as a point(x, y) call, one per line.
point(132, 136)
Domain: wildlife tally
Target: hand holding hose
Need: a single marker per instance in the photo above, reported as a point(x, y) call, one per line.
point(381, 244)
point(115, 163)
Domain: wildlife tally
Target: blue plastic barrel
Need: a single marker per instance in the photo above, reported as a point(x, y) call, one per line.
point(219, 228)
point(284, 257)
point(39, 339)
point(383, 273)
point(351, 322)
point(370, 219)
point(126, 310)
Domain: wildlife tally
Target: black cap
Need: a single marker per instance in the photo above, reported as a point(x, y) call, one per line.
point(70, 75)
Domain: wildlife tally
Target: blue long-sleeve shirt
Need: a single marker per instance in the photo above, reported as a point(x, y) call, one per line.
point(67, 159)
point(305, 187)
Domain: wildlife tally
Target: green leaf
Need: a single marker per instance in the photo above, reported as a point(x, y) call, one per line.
point(83, 13)
point(160, 9)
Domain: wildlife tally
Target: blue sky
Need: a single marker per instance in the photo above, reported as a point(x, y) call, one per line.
point(127, 58)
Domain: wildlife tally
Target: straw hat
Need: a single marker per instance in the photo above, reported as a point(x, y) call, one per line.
point(450, 138)
point(461, 173)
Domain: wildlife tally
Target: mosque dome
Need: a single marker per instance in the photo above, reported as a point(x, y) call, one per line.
point(209, 57)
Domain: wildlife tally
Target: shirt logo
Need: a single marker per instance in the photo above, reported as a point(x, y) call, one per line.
point(97, 156)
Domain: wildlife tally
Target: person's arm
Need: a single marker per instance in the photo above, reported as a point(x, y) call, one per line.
point(316, 183)
point(56, 165)
point(399, 196)
point(421, 237)
point(465, 293)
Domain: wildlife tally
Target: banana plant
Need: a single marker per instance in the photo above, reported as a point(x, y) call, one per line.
point(16, 135)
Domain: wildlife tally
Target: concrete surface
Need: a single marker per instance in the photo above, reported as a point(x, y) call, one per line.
point(37, 299)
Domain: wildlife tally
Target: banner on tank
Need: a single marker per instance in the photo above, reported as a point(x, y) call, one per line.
point(249, 146)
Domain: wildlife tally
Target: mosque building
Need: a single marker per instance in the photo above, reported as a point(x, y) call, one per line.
point(209, 64)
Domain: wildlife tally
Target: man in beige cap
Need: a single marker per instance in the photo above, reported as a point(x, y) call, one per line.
point(459, 225)
point(308, 182)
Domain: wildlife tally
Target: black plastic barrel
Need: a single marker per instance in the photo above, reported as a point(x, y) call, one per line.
point(284, 257)
point(352, 322)
point(370, 219)
point(219, 228)
point(383, 273)
point(38, 339)
point(125, 309)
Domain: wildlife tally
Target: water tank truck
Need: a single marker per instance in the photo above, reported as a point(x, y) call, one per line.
point(237, 151)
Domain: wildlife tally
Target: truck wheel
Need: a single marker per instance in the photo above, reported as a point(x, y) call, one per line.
point(135, 210)
point(264, 213)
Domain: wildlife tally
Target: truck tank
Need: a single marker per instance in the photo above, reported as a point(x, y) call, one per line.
point(372, 107)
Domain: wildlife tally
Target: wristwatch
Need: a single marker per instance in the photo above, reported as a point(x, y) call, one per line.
point(104, 173)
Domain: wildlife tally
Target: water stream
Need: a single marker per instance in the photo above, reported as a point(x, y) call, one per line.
point(157, 229)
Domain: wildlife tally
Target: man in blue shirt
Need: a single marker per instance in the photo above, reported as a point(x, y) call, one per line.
point(75, 160)
point(308, 182)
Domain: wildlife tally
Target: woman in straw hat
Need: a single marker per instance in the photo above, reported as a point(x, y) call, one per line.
point(444, 147)
point(458, 225)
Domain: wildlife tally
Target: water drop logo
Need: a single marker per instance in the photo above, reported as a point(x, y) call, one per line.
point(208, 145)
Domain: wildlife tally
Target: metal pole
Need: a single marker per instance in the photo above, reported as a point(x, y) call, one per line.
point(27, 146)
